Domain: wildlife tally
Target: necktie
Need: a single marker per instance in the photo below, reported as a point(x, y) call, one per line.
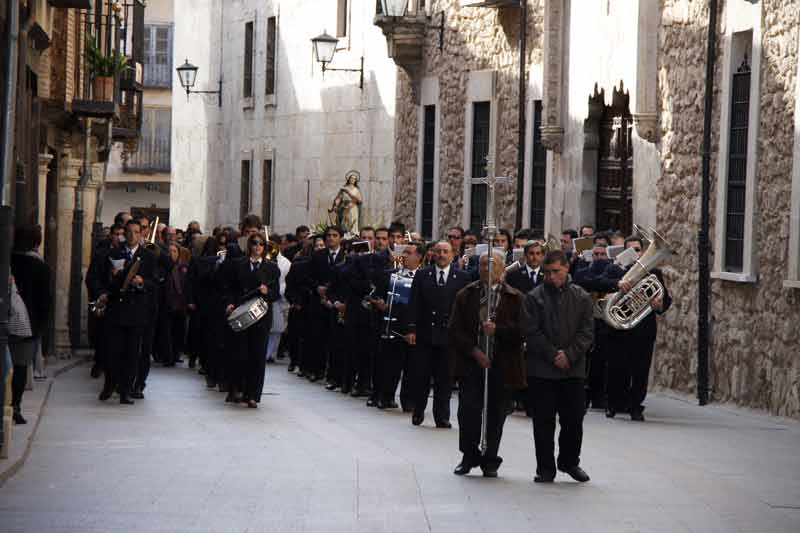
point(254, 266)
point(533, 276)
point(331, 259)
point(128, 254)
point(441, 278)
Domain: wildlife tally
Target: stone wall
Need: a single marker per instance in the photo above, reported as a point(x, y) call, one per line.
point(754, 346)
point(475, 39)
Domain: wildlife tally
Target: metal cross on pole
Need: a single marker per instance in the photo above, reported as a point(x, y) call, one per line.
point(491, 232)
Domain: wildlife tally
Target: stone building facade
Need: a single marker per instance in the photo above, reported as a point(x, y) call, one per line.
point(285, 135)
point(615, 100)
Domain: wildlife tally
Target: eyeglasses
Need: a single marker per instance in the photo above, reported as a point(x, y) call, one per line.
point(257, 243)
point(452, 237)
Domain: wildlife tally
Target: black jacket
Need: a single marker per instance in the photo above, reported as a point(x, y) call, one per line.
point(133, 307)
point(241, 282)
point(429, 309)
point(648, 327)
point(32, 276)
point(520, 280)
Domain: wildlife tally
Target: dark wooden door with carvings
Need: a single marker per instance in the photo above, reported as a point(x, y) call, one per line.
point(615, 168)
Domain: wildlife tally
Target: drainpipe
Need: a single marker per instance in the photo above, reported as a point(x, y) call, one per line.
point(10, 57)
point(703, 246)
point(523, 37)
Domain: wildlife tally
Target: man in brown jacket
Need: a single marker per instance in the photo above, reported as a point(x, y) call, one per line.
point(468, 330)
point(559, 333)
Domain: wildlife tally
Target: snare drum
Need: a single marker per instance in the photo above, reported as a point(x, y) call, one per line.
point(248, 314)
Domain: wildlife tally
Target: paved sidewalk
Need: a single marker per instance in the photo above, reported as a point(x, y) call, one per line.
point(310, 460)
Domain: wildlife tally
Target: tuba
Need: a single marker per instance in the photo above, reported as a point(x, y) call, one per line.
point(625, 310)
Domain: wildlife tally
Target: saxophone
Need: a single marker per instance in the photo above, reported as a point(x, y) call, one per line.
point(626, 310)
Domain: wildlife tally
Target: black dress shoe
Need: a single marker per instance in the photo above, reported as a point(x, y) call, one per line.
point(576, 473)
point(444, 425)
point(137, 395)
point(96, 371)
point(417, 420)
point(462, 469)
point(331, 386)
point(202, 371)
point(543, 478)
point(345, 390)
point(358, 393)
point(610, 413)
point(390, 405)
point(372, 403)
point(408, 409)
point(637, 416)
point(19, 419)
point(290, 368)
point(106, 393)
point(489, 471)
point(124, 400)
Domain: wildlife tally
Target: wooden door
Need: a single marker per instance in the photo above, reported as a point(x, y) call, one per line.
point(615, 167)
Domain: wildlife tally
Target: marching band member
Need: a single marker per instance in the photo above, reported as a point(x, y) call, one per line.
point(396, 352)
point(432, 295)
point(629, 368)
point(252, 275)
point(279, 308)
point(471, 325)
point(129, 293)
point(299, 290)
point(559, 334)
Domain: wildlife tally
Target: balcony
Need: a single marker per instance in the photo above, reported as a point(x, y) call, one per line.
point(405, 35)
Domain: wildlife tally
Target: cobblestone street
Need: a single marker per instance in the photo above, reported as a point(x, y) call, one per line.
point(311, 460)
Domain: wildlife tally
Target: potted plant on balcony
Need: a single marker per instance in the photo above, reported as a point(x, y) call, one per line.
point(103, 69)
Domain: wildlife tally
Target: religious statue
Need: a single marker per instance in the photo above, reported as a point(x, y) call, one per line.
point(346, 204)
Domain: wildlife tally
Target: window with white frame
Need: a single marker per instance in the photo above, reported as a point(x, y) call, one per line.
point(735, 246)
point(272, 48)
point(244, 197)
point(481, 125)
point(428, 169)
point(342, 18)
point(538, 172)
point(247, 77)
point(157, 60)
point(266, 193)
point(153, 154)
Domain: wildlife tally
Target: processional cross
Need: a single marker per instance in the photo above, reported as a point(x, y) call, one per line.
point(490, 228)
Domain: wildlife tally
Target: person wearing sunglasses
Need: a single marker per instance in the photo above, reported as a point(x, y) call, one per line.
point(252, 275)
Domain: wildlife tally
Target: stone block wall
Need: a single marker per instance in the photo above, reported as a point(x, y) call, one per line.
point(753, 353)
point(475, 39)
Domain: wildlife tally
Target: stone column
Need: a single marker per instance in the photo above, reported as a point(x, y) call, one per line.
point(44, 166)
point(89, 208)
point(554, 58)
point(68, 176)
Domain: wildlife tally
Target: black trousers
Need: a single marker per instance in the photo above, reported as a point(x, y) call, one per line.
point(357, 356)
point(338, 351)
point(598, 363)
point(18, 381)
point(214, 331)
point(470, 413)
point(394, 357)
point(253, 358)
point(432, 362)
point(567, 399)
point(177, 333)
point(293, 339)
point(126, 343)
point(629, 370)
point(317, 354)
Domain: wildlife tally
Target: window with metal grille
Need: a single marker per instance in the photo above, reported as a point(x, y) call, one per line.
point(153, 154)
point(157, 59)
point(247, 81)
point(266, 193)
point(271, 49)
point(428, 154)
point(538, 172)
point(481, 112)
point(737, 169)
point(341, 18)
point(244, 199)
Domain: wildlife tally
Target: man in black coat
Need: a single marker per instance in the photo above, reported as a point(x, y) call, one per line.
point(432, 295)
point(322, 314)
point(631, 351)
point(129, 307)
point(299, 291)
point(529, 276)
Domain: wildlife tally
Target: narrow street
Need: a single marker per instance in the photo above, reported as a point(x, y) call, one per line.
point(310, 460)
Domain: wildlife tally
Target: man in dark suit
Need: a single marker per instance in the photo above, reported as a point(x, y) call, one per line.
point(322, 314)
point(128, 307)
point(432, 295)
point(529, 276)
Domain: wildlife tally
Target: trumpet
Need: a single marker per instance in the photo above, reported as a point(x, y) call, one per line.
point(150, 241)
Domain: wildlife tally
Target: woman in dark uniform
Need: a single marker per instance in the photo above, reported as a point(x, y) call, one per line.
point(250, 276)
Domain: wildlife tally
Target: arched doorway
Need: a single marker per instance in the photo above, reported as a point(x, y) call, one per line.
point(614, 193)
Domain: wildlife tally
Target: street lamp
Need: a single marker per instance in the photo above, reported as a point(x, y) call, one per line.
point(324, 49)
point(394, 8)
point(187, 74)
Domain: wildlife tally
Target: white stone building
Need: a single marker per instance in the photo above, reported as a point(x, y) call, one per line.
point(284, 136)
point(139, 182)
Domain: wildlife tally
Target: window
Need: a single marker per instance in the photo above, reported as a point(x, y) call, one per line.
point(793, 277)
point(153, 154)
point(428, 155)
point(481, 112)
point(538, 172)
point(271, 49)
point(342, 11)
point(244, 199)
point(737, 169)
point(157, 60)
point(266, 193)
point(247, 82)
